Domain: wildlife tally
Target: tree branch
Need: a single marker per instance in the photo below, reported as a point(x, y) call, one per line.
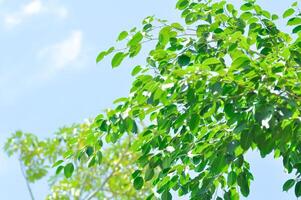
point(26, 180)
point(108, 177)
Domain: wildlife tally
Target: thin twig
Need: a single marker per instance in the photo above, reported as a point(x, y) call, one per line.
point(108, 177)
point(26, 180)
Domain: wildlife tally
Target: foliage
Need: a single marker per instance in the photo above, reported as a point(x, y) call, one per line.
point(225, 81)
point(110, 180)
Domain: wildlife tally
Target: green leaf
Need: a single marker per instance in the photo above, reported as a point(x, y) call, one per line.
point(194, 122)
point(120, 100)
point(177, 26)
point(99, 157)
point(240, 62)
point(147, 27)
point(246, 15)
point(211, 61)
point(230, 7)
point(136, 39)
point(166, 195)
point(136, 173)
point(149, 174)
point(218, 165)
point(246, 139)
point(117, 59)
point(59, 169)
point(136, 70)
point(134, 50)
point(288, 12)
point(294, 21)
point(298, 189)
point(57, 163)
point(264, 113)
point(275, 17)
point(89, 151)
point(159, 54)
point(138, 183)
point(243, 184)
point(288, 185)
point(91, 161)
point(164, 36)
point(122, 35)
point(297, 29)
point(100, 56)
point(231, 195)
point(182, 4)
point(231, 178)
point(183, 60)
point(210, 111)
point(68, 170)
point(246, 6)
point(266, 14)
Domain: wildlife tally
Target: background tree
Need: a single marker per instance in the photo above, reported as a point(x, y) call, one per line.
point(110, 180)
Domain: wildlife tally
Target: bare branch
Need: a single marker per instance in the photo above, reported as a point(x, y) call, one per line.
point(26, 180)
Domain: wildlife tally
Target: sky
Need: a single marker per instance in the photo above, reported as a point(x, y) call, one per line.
point(49, 78)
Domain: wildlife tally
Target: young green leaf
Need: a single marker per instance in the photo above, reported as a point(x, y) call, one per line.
point(288, 185)
point(59, 169)
point(68, 170)
point(288, 12)
point(57, 163)
point(136, 70)
point(138, 183)
point(136, 39)
point(294, 21)
point(211, 61)
point(182, 4)
point(122, 35)
point(117, 59)
point(240, 62)
point(100, 56)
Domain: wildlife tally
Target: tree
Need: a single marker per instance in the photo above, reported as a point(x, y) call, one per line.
point(225, 81)
point(110, 180)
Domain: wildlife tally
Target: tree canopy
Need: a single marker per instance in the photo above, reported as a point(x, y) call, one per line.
point(224, 81)
point(110, 180)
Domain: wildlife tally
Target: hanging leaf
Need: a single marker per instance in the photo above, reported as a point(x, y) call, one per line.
point(117, 59)
point(138, 183)
point(288, 185)
point(68, 170)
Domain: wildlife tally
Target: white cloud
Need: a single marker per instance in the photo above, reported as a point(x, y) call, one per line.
point(32, 8)
point(12, 20)
point(64, 53)
point(67, 55)
point(61, 12)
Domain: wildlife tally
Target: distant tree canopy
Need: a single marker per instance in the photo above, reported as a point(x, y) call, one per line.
point(226, 80)
point(109, 180)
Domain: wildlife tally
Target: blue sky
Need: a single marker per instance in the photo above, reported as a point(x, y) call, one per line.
point(48, 75)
